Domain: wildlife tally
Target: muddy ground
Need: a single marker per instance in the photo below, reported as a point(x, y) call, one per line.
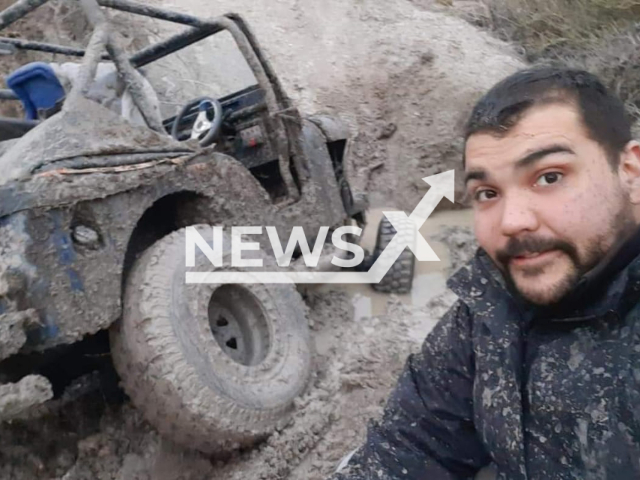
point(362, 340)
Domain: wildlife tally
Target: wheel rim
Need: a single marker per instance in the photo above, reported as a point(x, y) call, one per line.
point(239, 324)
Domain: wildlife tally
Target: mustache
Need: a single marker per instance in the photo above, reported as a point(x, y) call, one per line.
point(516, 247)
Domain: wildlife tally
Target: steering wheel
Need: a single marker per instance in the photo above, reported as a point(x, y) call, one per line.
point(208, 123)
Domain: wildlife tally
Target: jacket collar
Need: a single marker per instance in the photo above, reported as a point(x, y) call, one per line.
point(612, 285)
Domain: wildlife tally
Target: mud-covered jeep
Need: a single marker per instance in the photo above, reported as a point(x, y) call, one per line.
point(93, 207)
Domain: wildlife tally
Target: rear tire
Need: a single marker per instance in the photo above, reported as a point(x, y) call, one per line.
point(399, 278)
point(213, 367)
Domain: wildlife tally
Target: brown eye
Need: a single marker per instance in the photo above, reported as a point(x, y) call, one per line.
point(549, 178)
point(484, 195)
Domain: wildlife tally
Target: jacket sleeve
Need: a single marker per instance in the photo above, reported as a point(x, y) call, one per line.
point(427, 430)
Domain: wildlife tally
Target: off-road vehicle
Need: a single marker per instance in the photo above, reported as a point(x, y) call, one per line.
point(93, 207)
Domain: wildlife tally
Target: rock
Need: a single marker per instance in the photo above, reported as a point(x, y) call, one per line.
point(12, 331)
point(17, 398)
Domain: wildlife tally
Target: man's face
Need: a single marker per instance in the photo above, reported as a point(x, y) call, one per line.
point(547, 204)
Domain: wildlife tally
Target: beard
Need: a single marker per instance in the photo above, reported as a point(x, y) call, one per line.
point(579, 261)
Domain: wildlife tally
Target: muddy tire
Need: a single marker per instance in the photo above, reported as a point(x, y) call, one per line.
point(399, 279)
point(213, 367)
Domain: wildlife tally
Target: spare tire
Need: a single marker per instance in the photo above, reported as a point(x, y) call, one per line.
point(213, 367)
point(399, 278)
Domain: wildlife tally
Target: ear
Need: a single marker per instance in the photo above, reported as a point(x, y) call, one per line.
point(629, 170)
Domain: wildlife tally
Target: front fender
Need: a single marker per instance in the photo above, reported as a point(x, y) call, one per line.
point(333, 129)
point(73, 250)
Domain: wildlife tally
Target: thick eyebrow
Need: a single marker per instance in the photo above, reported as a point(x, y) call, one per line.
point(538, 155)
point(526, 161)
point(477, 174)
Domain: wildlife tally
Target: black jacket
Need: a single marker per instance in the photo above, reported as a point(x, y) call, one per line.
point(542, 393)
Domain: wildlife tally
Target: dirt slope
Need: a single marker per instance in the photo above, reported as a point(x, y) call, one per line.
point(402, 76)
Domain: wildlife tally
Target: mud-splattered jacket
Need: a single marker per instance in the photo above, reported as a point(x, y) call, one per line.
point(542, 394)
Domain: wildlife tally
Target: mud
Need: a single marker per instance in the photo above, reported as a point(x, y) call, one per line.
point(461, 243)
point(352, 382)
point(359, 353)
point(12, 334)
point(17, 398)
point(356, 368)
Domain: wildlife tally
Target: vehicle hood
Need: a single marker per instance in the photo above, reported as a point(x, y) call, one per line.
point(89, 135)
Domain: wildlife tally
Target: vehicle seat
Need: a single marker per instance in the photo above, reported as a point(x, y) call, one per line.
point(37, 87)
point(109, 90)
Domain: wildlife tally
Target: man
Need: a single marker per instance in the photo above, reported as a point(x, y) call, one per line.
point(536, 368)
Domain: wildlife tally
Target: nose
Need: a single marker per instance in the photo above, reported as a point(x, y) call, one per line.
point(518, 215)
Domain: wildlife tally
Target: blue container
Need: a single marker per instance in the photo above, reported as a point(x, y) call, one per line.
point(37, 87)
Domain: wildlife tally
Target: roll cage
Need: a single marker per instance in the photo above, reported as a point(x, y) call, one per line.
point(271, 102)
